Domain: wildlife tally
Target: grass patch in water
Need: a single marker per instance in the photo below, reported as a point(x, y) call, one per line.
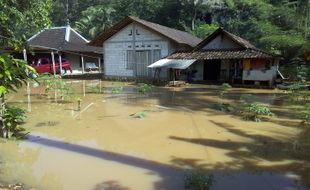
point(198, 180)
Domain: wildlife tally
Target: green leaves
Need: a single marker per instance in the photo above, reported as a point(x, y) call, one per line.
point(256, 110)
point(13, 118)
point(19, 20)
point(138, 115)
point(2, 90)
point(95, 20)
point(145, 88)
point(14, 73)
point(199, 180)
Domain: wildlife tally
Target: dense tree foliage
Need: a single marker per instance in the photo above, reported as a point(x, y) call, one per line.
point(279, 26)
point(21, 19)
point(18, 21)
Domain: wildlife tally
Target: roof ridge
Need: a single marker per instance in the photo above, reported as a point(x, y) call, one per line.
point(79, 35)
point(175, 35)
point(137, 19)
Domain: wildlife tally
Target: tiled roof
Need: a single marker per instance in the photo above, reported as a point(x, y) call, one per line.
point(221, 54)
point(177, 36)
point(52, 38)
point(67, 46)
point(242, 42)
point(62, 39)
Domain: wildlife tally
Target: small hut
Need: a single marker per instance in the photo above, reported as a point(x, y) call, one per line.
point(225, 57)
point(65, 42)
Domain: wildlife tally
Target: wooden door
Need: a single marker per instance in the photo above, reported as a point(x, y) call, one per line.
point(143, 59)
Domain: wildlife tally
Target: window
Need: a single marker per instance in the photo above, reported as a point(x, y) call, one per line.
point(130, 59)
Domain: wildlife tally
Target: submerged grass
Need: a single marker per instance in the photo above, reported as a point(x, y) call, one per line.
point(198, 180)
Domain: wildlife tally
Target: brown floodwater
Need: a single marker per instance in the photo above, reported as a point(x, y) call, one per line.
point(127, 140)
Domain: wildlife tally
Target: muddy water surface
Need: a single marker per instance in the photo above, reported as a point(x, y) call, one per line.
point(104, 146)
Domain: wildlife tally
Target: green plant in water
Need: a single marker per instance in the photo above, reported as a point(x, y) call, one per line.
point(139, 115)
point(94, 89)
point(199, 180)
point(254, 111)
point(59, 87)
point(224, 88)
point(226, 107)
point(117, 89)
point(13, 118)
point(79, 103)
point(145, 88)
point(305, 115)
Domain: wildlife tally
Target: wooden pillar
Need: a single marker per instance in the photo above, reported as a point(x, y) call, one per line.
point(53, 61)
point(83, 68)
point(60, 62)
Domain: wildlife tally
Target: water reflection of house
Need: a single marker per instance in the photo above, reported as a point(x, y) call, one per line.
point(132, 44)
point(66, 43)
point(225, 57)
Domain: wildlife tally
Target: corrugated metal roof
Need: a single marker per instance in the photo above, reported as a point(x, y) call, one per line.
point(177, 36)
point(173, 63)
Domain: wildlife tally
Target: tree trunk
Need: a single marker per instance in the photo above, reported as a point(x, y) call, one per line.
point(193, 20)
point(2, 108)
point(1, 128)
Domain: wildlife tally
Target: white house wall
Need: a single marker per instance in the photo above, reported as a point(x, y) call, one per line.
point(260, 75)
point(74, 60)
point(115, 48)
point(221, 42)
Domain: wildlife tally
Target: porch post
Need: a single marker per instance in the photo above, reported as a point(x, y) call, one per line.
point(60, 62)
point(53, 61)
point(99, 64)
point(83, 68)
point(173, 72)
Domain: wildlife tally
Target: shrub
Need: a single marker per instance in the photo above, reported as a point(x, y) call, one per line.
point(58, 85)
point(13, 117)
point(199, 180)
point(117, 90)
point(305, 115)
point(254, 111)
point(145, 88)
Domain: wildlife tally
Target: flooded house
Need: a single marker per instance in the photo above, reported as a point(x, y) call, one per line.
point(132, 44)
point(224, 57)
point(64, 43)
